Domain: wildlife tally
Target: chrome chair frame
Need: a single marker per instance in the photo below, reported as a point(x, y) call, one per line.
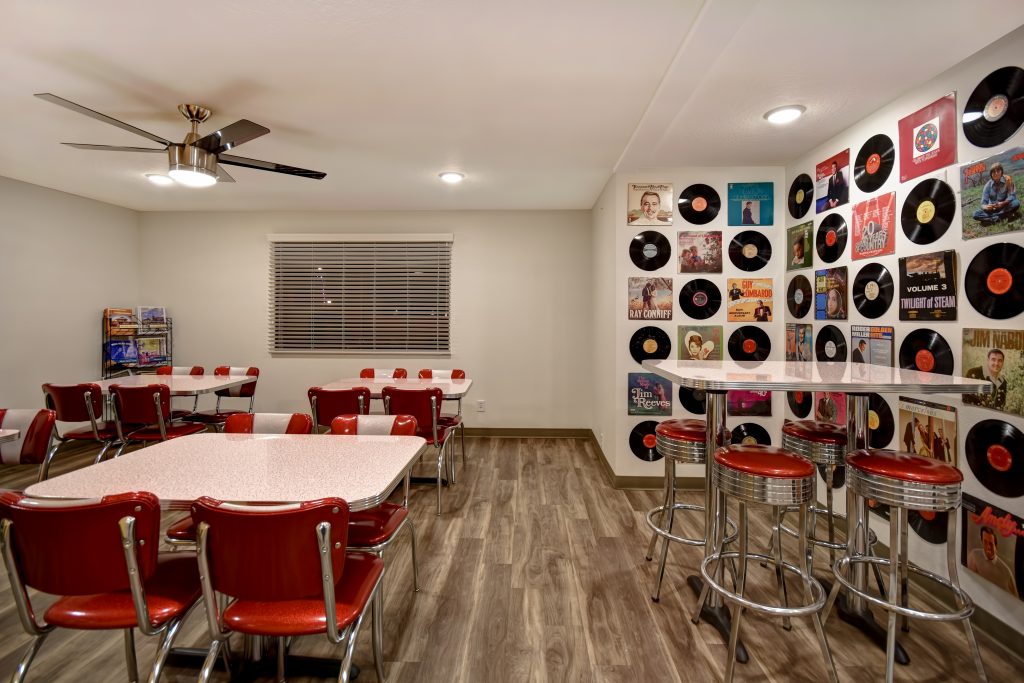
point(444, 463)
point(127, 440)
point(51, 452)
point(313, 414)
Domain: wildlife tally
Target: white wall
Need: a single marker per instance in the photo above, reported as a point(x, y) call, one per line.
point(604, 406)
point(520, 304)
point(63, 259)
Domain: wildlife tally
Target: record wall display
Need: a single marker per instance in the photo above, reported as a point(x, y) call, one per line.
point(750, 433)
point(649, 343)
point(995, 110)
point(995, 452)
point(650, 250)
point(693, 400)
point(699, 204)
point(994, 282)
point(874, 163)
point(830, 242)
point(927, 351)
point(830, 345)
point(700, 298)
point(749, 343)
point(750, 250)
point(799, 402)
point(801, 196)
point(930, 526)
point(643, 442)
point(928, 211)
point(873, 290)
point(881, 424)
point(838, 475)
point(799, 296)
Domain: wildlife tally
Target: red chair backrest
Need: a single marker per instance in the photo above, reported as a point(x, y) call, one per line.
point(244, 390)
point(36, 430)
point(266, 553)
point(269, 423)
point(428, 373)
point(333, 402)
point(74, 547)
point(370, 373)
point(393, 425)
point(180, 370)
point(415, 402)
point(135, 405)
point(70, 400)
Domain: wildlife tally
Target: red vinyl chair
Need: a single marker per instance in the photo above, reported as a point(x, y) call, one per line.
point(456, 419)
point(383, 373)
point(374, 529)
point(100, 558)
point(78, 403)
point(195, 371)
point(327, 404)
point(425, 406)
point(143, 414)
point(286, 571)
point(32, 447)
point(217, 417)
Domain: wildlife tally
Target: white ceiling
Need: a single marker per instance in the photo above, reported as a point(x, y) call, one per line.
point(538, 101)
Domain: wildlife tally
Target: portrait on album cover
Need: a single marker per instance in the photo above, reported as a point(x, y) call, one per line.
point(990, 194)
point(650, 204)
point(832, 182)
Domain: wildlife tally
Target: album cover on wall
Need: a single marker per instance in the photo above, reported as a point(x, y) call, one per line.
point(700, 251)
point(987, 205)
point(830, 294)
point(928, 138)
point(649, 394)
point(741, 403)
point(749, 299)
point(700, 342)
point(799, 342)
point(872, 344)
point(928, 286)
point(650, 204)
point(998, 356)
point(928, 429)
point(830, 406)
point(992, 546)
point(650, 298)
point(801, 253)
point(874, 227)
point(832, 182)
point(751, 203)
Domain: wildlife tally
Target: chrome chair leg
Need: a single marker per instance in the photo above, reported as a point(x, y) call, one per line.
point(954, 579)
point(378, 635)
point(669, 483)
point(350, 646)
point(103, 452)
point(462, 441)
point(210, 662)
point(450, 458)
point(26, 659)
point(780, 572)
point(734, 633)
point(166, 643)
point(280, 659)
point(440, 470)
point(415, 563)
point(129, 656)
point(668, 517)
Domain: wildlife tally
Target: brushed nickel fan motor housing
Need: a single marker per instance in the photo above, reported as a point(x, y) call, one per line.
point(195, 113)
point(186, 157)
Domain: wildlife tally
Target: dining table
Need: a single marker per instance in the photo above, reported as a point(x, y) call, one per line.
point(857, 381)
point(179, 385)
point(9, 435)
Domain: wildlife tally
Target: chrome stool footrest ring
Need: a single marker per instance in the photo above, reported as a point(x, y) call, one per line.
point(730, 527)
point(817, 592)
point(966, 611)
point(820, 542)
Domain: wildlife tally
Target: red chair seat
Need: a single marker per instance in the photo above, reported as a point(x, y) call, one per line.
point(306, 617)
point(442, 433)
point(211, 416)
point(764, 461)
point(368, 528)
point(449, 421)
point(170, 591)
point(904, 467)
point(183, 530)
point(107, 432)
point(817, 432)
point(173, 431)
point(695, 431)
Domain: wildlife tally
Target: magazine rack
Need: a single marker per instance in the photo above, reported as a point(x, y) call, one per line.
point(135, 341)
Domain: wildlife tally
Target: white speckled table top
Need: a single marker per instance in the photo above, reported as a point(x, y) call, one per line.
point(452, 388)
point(8, 435)
point(180, 385)
point(253, 468)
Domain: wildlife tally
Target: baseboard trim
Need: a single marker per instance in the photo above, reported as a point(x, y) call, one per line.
point(528, 432)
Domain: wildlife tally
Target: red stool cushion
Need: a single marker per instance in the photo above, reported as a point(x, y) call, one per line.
point(683, 430)
point(905, 467)
point(764, 461)
point(818, 432)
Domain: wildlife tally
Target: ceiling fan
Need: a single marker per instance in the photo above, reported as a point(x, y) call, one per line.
point(196, 161)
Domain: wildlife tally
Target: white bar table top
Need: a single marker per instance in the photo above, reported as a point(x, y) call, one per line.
point(250, 468)
point(180, 385)
point(452, 388)
point(727, 375)
point(8, 435)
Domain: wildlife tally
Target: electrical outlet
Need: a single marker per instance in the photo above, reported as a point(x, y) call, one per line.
point(481, 406)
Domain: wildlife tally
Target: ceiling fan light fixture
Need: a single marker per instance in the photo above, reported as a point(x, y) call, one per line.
point(159, 179)
point(192, 177)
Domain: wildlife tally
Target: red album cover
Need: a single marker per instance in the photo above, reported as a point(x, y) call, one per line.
point(874, 227)
point(928, 138)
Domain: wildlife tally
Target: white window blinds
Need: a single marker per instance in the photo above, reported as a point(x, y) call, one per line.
point(360, 293)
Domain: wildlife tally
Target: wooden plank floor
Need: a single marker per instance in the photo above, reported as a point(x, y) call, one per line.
point(536, 573)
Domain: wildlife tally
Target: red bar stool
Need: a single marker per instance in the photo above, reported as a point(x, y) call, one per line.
point(764, 475)
point(905, 482)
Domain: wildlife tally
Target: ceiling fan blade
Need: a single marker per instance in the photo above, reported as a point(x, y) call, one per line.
point(231, 136)
point(269, 166)
point(112, 148)
point(223, 176)
point(68, 104)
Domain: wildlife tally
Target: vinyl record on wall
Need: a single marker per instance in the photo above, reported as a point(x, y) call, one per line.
point(700, 299)
point(799, 296)
point(874, 162)
point(799, 402)
point(930, 526)
point(750, 433)
point(994, 282)
point(699, 204)
point(643, 442)
point(649, 343)
point(995, 110)
point(925, 350)
point(995, 453)
point(928, 211)
point(830, 345)
point(693, 400)
point(873, 290)
point(749, 343)
point(838, 476)
point(830, 241)
point(750, 250)
point(801, 194)
point(649, 250)
point(880, 422)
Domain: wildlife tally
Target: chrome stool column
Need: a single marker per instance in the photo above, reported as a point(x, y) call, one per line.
point(905, 482)
point(768, 476)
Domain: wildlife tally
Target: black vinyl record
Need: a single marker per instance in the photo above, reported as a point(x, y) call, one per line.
point(931, 526)
point(838, 475)
point(700, 298)
point(649, 250)
point(927, 351)
point(799, 402)
point(801, 194)
point(995, 452)
point(649, 343)
point(749, 343)
point(873, 290)
point(699, 204)
point(874, 162)
point(880, 421)
point(928, 211)
point(830, 242)
point(994, 282)
point(830, 345)
point(750, 433)
point(643, 441)
point(750, 250)
point(799, 296)
point(995, 110)
point(693, 400)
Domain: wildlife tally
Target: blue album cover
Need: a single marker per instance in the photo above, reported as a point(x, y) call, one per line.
point(751, 203)
point(649, 394)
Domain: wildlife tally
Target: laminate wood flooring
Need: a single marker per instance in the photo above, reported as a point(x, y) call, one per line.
point(536, 572)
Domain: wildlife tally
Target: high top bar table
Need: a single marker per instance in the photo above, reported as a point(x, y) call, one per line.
point(857, 381)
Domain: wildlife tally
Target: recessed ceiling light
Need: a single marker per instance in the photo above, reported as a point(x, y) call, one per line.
point(159, 179)
point(452, 177)
point(787, 114)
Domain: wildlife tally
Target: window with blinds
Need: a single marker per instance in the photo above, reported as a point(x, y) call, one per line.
point(360, 293)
